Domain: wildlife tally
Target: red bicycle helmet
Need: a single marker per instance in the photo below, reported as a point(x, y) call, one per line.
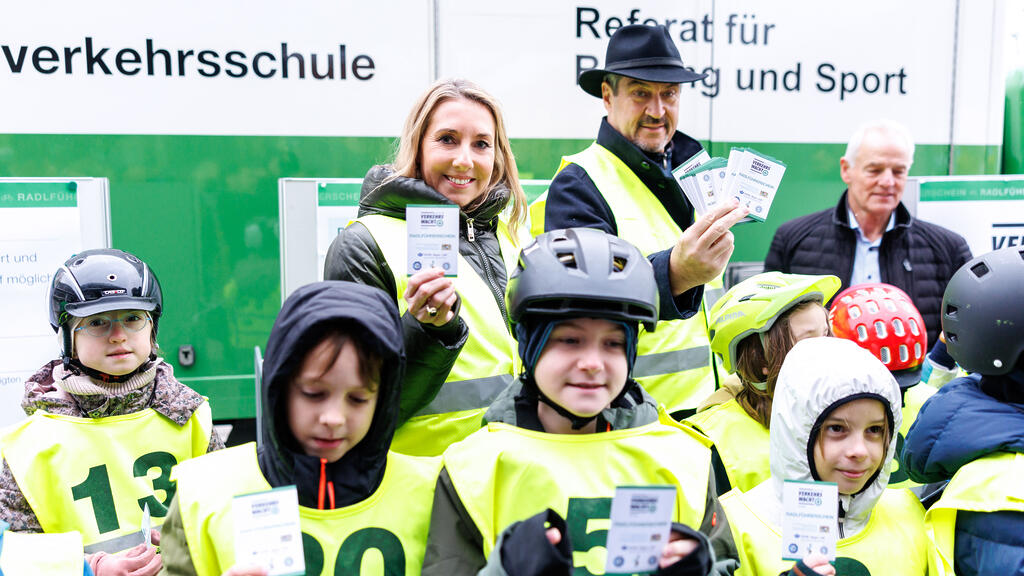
point(882, 319)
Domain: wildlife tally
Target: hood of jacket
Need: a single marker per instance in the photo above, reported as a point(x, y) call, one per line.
point(818, 375)
point(387, 195)
point(307, 313)
point(966, 419)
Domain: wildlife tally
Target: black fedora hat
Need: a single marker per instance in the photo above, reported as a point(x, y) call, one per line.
point(642, 52)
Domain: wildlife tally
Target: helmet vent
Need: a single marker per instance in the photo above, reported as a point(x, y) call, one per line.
point(880, 330)
point(889, 305)
point(568, 259)
point(951, 310)
point(884, 355)
point(854, 312)
point(904, 353)
point(914, 329)
point(917, 349)
point(619, 263)
point(872, 307)
point(897, 327)
point(862, 333)
point(979, 269)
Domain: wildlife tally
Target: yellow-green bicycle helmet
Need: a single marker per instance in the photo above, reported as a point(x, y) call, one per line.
point(752, 306)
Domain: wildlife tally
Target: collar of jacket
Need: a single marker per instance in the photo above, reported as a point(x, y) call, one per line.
point(840, 216)
point(390, 198)
point(515, 406)
point(682, 148)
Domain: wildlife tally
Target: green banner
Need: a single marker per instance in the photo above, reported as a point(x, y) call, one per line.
point(337, 194)
point(972, 190)
point(38, 194)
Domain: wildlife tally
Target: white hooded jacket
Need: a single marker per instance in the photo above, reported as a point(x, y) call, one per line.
point(817, 376)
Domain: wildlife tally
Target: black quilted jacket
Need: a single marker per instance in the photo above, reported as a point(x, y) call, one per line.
point(915, 255)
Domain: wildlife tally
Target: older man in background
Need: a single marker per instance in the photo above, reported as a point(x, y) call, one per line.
point(870, 236)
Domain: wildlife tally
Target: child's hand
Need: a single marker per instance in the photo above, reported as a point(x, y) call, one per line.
point(141, 560)
point(678, 547)
point(820, 564)
point(430, 297)
point(246, 570)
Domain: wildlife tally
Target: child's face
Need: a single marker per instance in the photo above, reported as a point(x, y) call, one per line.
point(583, 365)
point(852, 444)
point(330, 406)
point(106, 342)
point(809, 321)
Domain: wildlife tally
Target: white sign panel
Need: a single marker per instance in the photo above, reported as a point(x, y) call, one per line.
point(233, 68)
point(43, 221)
point(799, 71)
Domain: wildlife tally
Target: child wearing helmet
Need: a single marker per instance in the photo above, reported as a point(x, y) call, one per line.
point(833, 420)
point(332, 378)
point(752, 328)
point(971, 432)
point(883, 320)
point(106, 421)
point(573, 427)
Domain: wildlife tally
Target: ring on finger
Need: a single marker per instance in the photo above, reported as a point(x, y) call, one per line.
point(431, 311)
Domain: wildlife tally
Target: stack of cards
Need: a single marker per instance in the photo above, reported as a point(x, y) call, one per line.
point(749, 176)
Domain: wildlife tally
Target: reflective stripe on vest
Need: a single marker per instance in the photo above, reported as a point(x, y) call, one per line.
point(393, 521)
point(989, 484)
point(488, 362)
point(95, 474)
point(741, 442)
point(504, 474)
point(674, 363)
point(892, 542)
point(49, 554)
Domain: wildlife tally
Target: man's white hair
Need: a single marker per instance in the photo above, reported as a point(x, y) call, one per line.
point(894, 130)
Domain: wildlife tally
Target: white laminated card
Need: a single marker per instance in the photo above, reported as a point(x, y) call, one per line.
point(267, 531)
point(755, 179)
point(810, 519)
point(641, 522)
point(433, 237)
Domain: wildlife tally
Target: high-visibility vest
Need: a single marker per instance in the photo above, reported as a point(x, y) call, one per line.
point(95, 475)
point(892, 542)
point(673, 363)
point(27, 554)
point(742, 442)
point(504, 474)
point(913, 399)
point(487, 363)
point(384, 534)
point(989, 484)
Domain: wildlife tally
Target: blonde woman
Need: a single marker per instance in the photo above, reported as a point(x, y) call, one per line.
point(454, 150)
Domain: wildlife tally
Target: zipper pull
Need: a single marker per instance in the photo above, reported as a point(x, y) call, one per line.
point(470, 232)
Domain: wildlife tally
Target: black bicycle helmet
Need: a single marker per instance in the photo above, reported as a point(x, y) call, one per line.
point(96, 281)
point(982, 316)
point(583, 272)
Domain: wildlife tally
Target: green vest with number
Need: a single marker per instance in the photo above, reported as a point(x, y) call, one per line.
point(892, 542)
point(94, 475)
point(504, 474)
point(741, 442)
point(674, 363)
point(487, 363)
point(384, 534)
point(989, 484)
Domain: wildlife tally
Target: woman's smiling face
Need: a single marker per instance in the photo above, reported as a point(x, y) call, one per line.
point(457, 151)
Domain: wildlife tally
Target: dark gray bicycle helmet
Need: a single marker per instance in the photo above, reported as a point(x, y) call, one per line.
point(101, 280)
point(982, 316)
point(583, 272)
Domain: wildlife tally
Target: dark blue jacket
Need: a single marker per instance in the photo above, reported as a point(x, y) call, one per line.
point(575, 202)
point(967, 419)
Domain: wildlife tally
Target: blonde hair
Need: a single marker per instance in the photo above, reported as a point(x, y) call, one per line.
point(407, 157)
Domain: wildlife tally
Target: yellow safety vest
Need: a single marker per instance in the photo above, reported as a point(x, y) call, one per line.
point(914, 398)
point(27, 554)
point(674, 363)
point(989, 484)
point(384, 534)
point(892, 542)
point(504, 474)
point(488, 362)
point(741, 442)
point(94, 475)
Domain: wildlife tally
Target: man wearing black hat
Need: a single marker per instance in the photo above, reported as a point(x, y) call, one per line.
point(623, 184)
